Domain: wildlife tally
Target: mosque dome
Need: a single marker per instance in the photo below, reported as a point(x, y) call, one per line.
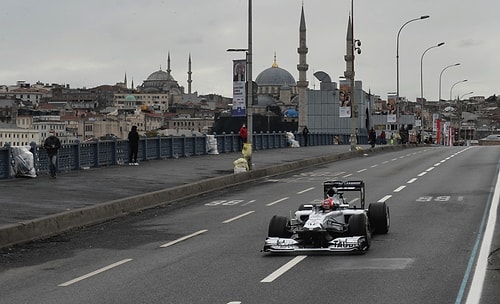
point(275, 76)
point(159, 81)
point(130, 98)
point(159, 76)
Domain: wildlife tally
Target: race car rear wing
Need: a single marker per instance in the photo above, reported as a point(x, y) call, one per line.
point(343, 186)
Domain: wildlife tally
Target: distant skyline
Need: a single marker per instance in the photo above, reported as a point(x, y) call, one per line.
point(91, 43)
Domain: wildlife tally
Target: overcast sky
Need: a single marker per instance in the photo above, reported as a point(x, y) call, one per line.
point(93, 42)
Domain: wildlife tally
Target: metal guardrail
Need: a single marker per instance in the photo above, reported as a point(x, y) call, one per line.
point(100, 153)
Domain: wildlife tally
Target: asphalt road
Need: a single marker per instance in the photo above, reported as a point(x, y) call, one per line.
point(207, 249)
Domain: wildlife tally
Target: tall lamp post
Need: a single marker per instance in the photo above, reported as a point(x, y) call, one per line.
point(461, 117)
point(397, 61)
point(462, 97)
point(451, 90)
point(249, 81)
point(422, 81)
point(440, 76)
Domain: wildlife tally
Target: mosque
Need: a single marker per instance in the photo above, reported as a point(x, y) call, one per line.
point(282, 103)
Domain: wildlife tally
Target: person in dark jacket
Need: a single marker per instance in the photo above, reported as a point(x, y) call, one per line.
point(305, 134)
point(372, 137)
point(133, 139)
point(52, 145)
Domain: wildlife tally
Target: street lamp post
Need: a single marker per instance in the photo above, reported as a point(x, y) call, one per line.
point(249, 81)
point(397, 61)
point(440, 76)
point(462, 97)
point(422, 81)
point(451, 90)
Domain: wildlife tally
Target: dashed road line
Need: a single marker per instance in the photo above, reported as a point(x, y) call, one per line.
point(237, 217)
point(385, 198)
point(280, 271)
point(93, 273)
point(305, 190)
point(183, 238)
point(399, 188)
point(278, 201)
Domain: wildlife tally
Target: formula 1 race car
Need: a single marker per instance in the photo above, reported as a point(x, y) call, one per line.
point(330, 225)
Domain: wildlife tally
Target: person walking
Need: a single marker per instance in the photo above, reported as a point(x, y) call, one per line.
point(133, 139)
point(305, 133)
point(52, 145)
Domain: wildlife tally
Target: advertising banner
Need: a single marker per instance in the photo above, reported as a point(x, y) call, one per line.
point(239, 93)
point(345, 100)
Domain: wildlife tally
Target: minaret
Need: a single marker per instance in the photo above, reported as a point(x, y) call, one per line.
point(168, 64)
point(125, 81)
point(302, 67)
point(349, 75)
point(189, 74)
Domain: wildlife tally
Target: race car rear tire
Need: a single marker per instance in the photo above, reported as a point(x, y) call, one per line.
point(278, 227)
point(378, 214)
point(358, 226)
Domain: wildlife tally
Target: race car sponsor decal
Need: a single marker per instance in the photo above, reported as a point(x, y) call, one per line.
point(349, 242)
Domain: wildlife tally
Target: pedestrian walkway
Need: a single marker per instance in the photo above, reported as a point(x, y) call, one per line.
point(33, 208)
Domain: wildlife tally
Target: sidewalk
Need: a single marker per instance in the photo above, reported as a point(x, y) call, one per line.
point(34, 208)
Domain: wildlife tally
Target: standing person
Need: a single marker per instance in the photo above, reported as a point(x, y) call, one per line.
point(243, 134)
point(305, 133)
point(133, 139)
point(383, 141)
point(52, 145)
point(372, 136)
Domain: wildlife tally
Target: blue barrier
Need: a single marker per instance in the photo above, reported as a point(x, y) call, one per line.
point(100, 153)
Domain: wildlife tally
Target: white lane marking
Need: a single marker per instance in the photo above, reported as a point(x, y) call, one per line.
point(460, 199)
point(278, 201)
point(394, 159)
point(237, 217)
point(373, 166)
point(385, 162)
point(183, 238)
point(437, 164)
point(430, 169)
point(280, 271)
point(411, 181)
point(248, 203)
point(234, 302)
point(476, 286)
point(93, 273)
point(347, 175)
point(385, 198)
point(305, 190)
point(422, 174)
point(359, 171)
point(399, 188)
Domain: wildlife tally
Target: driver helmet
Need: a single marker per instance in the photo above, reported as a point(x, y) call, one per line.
point(328, 204)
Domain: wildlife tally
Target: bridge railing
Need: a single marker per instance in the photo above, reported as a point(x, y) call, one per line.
point(100, 153)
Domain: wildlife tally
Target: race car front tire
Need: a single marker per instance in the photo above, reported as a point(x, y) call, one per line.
point(378, 214)
point(358, 226)
point(278, 227)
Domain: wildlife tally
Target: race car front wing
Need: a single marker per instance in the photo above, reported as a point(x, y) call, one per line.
point(341, 244)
